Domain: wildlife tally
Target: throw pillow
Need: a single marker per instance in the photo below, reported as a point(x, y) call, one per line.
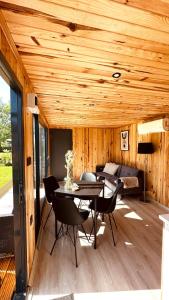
point(110, 168)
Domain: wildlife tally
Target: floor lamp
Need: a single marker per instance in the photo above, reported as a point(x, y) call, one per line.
point(145, 148)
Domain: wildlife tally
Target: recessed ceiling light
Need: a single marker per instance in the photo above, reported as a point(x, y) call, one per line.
point(116, 75)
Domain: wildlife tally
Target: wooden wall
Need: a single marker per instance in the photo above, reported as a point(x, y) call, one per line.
point(92, 146)
point(158, 162)
point(8, 49)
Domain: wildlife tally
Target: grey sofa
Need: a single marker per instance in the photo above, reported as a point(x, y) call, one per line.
point(122, 171)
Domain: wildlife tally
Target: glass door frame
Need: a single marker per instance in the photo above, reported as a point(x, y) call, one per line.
point(37, 170)
point(17, 125)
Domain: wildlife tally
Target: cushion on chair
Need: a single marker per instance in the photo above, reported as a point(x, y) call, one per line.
point(101, 205)
point(110, 168)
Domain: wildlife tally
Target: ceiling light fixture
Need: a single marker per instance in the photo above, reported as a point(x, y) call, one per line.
point(116, 75)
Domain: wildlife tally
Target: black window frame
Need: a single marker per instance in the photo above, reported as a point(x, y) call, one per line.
point(17, 124)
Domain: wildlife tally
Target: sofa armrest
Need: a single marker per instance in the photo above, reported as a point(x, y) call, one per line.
point(106, 176)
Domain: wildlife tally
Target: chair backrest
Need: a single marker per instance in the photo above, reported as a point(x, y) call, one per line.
point(112, 203)
point(88, 176)
point(66, 211)
point(50, 184)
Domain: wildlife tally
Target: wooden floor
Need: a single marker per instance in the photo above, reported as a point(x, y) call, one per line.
point(129, 270)
point(7, 277)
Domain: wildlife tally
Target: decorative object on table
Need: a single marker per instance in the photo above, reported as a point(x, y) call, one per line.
point(125, 140)
point(145, 148)
point(69, 157)
point(75, 187)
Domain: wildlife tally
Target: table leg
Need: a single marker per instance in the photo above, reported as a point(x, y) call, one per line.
point(95, 223)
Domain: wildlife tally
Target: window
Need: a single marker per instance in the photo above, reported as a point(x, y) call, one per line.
point(42, 158)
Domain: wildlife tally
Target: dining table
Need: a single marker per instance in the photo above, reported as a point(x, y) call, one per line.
point(87, 190)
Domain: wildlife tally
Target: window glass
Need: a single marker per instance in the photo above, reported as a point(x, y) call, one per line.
point(42, 154)
point(6, 192)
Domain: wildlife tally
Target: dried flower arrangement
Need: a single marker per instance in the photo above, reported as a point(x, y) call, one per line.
point(69, 157)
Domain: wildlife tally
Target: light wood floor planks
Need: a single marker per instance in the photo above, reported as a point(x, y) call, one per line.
point(133, 266)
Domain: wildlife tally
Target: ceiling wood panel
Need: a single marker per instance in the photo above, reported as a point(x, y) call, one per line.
point(65, 29)
point(71, 48)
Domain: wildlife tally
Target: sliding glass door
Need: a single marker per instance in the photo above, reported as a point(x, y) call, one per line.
point(13, 211)
point(40, 168)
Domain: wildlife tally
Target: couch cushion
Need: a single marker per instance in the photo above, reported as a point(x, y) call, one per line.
point(110, 168)
point(126, 171)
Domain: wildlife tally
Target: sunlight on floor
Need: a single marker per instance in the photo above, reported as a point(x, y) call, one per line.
point(121, 204)
point(122, 295)
point(85, 242)
point(133, 215)
point(101, 229)
point(128, 244)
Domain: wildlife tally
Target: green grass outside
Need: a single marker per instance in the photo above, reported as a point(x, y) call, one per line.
point(5, 157)
point(5, 175)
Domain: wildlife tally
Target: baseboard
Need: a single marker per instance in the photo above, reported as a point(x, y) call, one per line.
point(158, 204)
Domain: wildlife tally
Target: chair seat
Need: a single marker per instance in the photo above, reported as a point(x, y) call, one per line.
point(102, 204)
point(84, 213)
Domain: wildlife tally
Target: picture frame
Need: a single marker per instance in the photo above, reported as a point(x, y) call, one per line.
point(124, 139)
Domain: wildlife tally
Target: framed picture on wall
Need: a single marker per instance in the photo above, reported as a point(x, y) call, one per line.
point(124, 140)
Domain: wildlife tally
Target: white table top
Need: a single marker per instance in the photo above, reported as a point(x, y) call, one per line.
point(164, 218)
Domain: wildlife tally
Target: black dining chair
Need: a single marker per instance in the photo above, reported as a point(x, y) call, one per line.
point(66, 212)
point(50, 184)
point(107, 206)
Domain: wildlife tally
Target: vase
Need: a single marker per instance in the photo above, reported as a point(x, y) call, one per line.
point(69, 177)
point(68, 183)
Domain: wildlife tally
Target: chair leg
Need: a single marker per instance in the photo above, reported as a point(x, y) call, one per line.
point(61, 227)
point(67, 229)
point(93, 224)
point(53, 246)
point(74, 237)
point(85, 232)
point(47, 217)
point(103, 217)
point(114, 220)
point(112, 230)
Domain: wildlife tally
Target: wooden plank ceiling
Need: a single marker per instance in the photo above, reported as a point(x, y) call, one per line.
point(70, 50)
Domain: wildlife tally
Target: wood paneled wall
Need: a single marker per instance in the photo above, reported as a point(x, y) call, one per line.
point(8, 50)
point(92, 146)
point(157, 165)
